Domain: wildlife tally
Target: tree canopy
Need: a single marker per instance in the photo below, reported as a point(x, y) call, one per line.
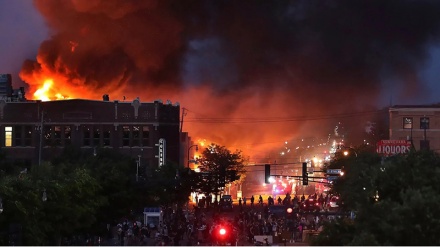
point(70, 203)
point(396, 200)
point(84, 192)
point(219, 166)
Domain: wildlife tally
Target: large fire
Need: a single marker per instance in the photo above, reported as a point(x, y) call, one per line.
point(48, 92)
point(248, 83)
point(47, 85)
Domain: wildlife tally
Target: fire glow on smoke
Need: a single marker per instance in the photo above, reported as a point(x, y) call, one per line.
point(249, 82)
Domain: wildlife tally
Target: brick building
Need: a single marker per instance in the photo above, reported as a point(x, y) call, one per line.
point(35, 131)
point(419, 123)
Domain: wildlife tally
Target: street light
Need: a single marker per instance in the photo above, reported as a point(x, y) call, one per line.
point(197, 149)
point(346, 153)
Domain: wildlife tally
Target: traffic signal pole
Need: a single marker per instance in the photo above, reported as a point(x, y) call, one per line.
point(305, 176)
point(300, 178)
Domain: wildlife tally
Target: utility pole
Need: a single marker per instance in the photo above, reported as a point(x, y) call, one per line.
point(181, 121)
point(41, 138)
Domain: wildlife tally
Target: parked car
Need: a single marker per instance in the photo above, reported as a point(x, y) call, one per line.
point(334, 202)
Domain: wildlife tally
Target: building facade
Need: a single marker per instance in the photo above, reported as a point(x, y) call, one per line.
point(36, 131)
point(417, 123)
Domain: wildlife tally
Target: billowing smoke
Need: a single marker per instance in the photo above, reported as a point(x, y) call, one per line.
point(290, 67)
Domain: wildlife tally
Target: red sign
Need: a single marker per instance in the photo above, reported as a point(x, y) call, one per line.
point(392, 147)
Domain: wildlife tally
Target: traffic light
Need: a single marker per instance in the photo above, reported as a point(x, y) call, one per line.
point(266, 173)
point(222, 231)
point(305, 175)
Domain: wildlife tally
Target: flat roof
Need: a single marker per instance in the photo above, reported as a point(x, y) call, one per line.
point(437, 105)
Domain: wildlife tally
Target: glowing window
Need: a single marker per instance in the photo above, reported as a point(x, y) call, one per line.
point(8, 136)
point(136, 134)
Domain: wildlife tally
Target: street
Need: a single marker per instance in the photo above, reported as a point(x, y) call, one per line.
point(246, 221)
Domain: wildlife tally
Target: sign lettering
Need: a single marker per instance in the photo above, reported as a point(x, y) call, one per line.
point(393, 147)
point(162, 152)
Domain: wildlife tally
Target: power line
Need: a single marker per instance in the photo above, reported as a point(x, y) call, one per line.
point(290, 141)
point(278, 164)
point(244, 120)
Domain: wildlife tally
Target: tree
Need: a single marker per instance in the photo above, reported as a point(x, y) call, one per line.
point(397, 201)
point(170, 184)
point(116, 173)
point(73, 200)
point(356, 186)
point(219, 164)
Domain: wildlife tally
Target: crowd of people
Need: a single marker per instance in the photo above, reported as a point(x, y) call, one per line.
point(197, 225)
point(258, 220)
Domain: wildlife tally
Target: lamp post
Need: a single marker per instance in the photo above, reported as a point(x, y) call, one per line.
point(138, 163)
point(197, 149)
point(44, 197)
point(424, 124)
point(41, 138)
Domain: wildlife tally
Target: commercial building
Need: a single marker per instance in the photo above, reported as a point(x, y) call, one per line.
point(417, 123)
point(35, 131)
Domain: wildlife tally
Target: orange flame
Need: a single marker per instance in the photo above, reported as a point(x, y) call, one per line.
point(47, 92)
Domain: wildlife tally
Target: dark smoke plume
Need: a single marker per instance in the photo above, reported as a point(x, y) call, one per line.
point(243, 58)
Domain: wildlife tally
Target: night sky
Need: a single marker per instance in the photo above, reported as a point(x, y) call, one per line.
point(229, 59)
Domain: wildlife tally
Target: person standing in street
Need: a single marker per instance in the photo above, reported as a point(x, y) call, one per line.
point(244, 201)
point(252, 200)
